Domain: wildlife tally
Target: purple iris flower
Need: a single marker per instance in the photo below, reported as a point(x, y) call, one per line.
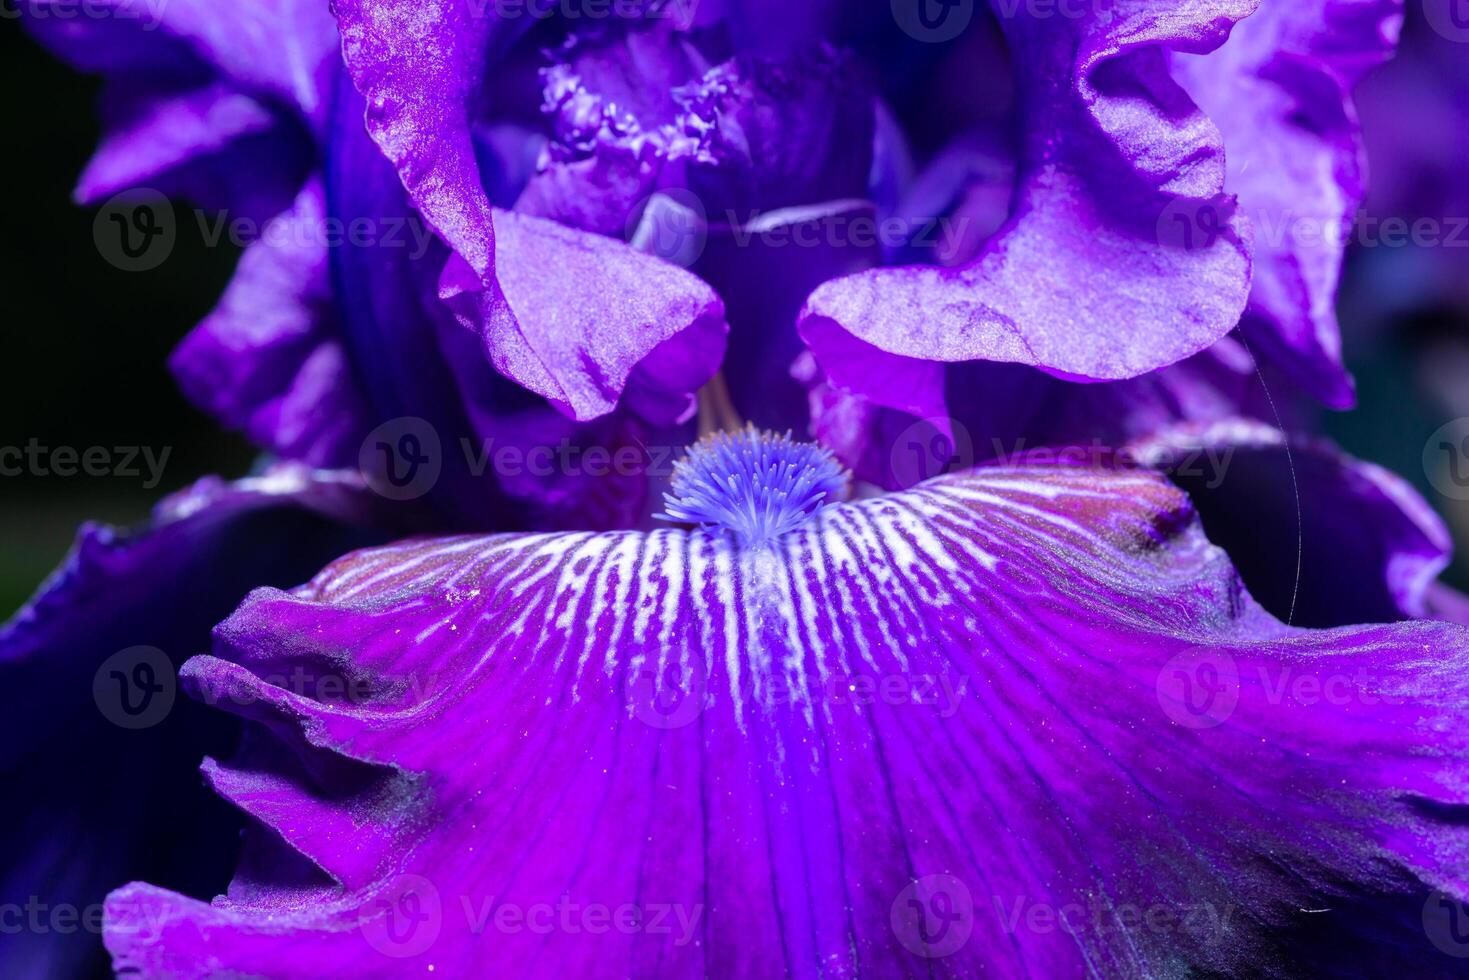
point(1022, 718)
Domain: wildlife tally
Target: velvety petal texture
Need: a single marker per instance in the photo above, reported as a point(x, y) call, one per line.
point(610, 321)
point(1086, 280)
point(1280, 90)
point(872, 746)
point(100, 777)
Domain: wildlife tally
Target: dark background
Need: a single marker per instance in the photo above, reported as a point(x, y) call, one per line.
point(86, 343)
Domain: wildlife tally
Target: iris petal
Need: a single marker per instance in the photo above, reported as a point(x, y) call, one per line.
point(1108, 158)
point(963, 701)
point(103, 786)
point(1281, 92)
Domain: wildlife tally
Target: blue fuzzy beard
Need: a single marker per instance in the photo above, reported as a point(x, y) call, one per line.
point(755, 484)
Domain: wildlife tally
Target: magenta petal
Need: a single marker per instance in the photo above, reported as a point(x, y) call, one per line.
point(1088, 279)
point(1280, 91)
point(969, 699)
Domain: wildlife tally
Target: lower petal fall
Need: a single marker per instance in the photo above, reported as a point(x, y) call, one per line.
point(877, 746)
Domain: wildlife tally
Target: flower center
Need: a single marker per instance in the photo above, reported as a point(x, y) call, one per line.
point(753, 483)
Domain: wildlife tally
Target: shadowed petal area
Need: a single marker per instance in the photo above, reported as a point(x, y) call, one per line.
point(1280, 90)
point(871, 747)
point(1000, 412)
point(1088, 279)
point(1320, 538)
point(208, 101)
point(101, 775)
point(224, 106)
point(269, 359)
point(281, 48)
